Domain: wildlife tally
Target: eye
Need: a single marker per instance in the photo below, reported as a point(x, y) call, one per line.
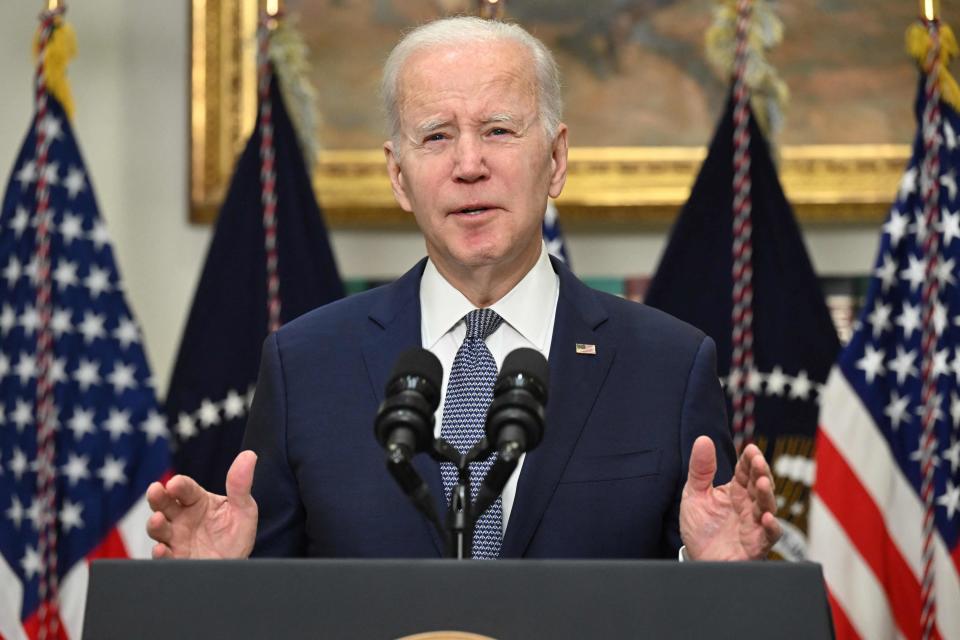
point(499, 131)
point(434, 137)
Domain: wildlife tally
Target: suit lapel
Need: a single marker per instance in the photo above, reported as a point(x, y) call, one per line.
point(394, 328)
point(575, 382)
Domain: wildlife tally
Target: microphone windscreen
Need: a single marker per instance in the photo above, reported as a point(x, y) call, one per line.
point(419, 362)
point(529, 362)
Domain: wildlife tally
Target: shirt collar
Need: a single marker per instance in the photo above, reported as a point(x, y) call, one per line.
point(442, 306)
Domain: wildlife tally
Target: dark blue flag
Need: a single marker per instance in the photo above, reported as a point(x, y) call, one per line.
point(110, 440)
point(220, 352)
point(795, 342)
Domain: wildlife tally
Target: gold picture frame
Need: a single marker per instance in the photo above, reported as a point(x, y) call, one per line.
point(608, 188)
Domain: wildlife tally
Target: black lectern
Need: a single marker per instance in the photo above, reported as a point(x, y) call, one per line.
point(502, 599)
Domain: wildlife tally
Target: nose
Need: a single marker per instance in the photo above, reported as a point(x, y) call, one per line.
point(469, 164)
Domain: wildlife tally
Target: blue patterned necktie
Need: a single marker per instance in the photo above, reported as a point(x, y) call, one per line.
point(469, 393)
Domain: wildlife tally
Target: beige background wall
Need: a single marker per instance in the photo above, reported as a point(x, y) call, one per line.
point(130, 82)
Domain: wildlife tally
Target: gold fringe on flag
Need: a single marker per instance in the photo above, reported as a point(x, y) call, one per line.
point(288, 53)
point(61, 48)
point(769, 93)
point(918, 47)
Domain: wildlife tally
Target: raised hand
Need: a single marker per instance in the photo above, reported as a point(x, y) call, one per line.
point(734, 521)
point(189, 522)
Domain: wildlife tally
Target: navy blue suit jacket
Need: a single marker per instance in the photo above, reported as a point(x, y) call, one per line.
point(604, 483)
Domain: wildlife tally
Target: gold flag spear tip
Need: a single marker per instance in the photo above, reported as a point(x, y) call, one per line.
point(274, 11)
point(53, 5)
point(930, 10)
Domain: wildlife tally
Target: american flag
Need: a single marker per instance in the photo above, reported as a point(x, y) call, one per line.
point(867, 511)
point(553, 234)
point(109, 440)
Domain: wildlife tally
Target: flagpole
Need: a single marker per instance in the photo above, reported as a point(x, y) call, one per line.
point(930, 301)
point(491, 9)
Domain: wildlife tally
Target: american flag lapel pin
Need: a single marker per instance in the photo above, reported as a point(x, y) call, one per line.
point(587, 349)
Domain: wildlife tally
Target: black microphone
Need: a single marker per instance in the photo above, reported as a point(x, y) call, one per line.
point(404, 422)
point(515, 419)
point(405, 419)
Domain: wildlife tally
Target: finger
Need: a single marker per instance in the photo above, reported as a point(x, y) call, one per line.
point(771, 527)
point(160, 500)
point(741, 473)
point(703, 464)
point(159, 528)
point(161, 551)
point(240, 480)
point(185, 490)
point(765, 497)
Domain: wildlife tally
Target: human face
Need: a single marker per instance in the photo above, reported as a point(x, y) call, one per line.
point(473, 162)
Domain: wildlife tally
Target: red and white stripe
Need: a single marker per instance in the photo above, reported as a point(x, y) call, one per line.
point(47, 619)
point(741, 362)
point(127, 540)
point(866, 528)
point(268, 173)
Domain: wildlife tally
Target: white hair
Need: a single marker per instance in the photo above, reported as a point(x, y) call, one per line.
point(466, 29)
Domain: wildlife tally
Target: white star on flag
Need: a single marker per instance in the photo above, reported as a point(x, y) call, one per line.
point(209, 414)
point(81, 422)
point(118, 424)
point(915, 273)
point(871, 363)
point(27, 175)
point(122, 377)
point(887, 273)
point(903, 364)
point(111, 473)
point(909, 319)
point(76, 468)
point(898, 409)
point(18, 463)
point(12, 272)
point(14, 512)
point(65, 274)
point(75, 182)
point(8, 319)
point(92, 326)
point(126, 332)
point(60, 322)
point(155, 427)
point(186, 428)
point(98, 281)
point(233, 406)
point(896, 227)
point(71, 227)
point(30, 563)
point(87, 374)
point(71, 515)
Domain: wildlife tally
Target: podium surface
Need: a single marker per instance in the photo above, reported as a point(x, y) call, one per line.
point(503, 599)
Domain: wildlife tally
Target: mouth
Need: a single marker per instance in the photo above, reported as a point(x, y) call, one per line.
point(473, 209)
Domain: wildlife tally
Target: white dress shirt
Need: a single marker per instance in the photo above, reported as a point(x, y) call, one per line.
point(528, 313)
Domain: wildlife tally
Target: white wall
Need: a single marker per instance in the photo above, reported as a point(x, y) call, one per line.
point(130, 82)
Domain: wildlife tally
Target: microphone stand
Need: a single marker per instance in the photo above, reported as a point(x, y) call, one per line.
point(463, 512)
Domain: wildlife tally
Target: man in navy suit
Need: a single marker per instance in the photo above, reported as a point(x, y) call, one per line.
point(635, 418)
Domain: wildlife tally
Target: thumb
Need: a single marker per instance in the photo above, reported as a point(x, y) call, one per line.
point(703, 464)
point(240, 479)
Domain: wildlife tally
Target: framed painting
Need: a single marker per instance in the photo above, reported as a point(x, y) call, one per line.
point(640, 100)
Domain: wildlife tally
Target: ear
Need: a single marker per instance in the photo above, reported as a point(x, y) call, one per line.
point(558, 161)
point(396, 177)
